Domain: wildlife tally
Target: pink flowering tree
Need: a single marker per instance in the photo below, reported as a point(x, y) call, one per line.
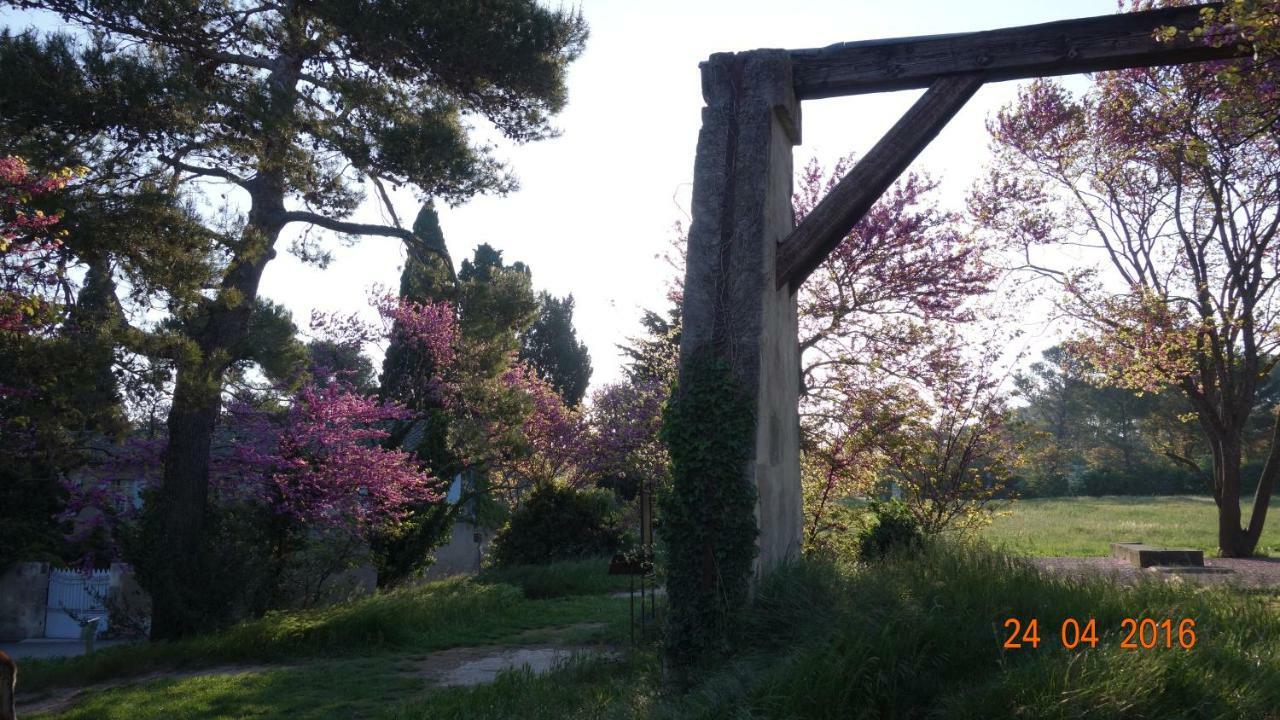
point(548, 434)
point(317, 458)
point(322, 462)
point(621, 448)
point(875, 320)
point(30, 265)
point(1163, 182)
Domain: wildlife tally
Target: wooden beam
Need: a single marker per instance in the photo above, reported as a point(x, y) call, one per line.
point(1108, 42)
point(828, 223)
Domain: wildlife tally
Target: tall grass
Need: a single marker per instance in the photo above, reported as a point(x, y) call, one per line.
point(562, 579)
point(909, 637)
point(923, 636)
point(422, 618)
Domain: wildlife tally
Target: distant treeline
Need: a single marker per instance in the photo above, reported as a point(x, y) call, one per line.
point(1078, 438)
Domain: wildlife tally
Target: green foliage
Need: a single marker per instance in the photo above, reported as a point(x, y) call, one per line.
point(495, 305)
point(589, 576)
point(559, 523)
point(888, 528)
point(272, 345)
point(345, 360)
point(1141, 479)
point(709, 528)
point(654, 355)
point(59, 392)
point(551, 347)
point(836, 537)
point(233, 577)
point(1081, 438)
point(405, 549)
point(29, 500)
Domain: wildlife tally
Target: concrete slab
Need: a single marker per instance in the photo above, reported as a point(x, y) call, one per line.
point(1145, 556)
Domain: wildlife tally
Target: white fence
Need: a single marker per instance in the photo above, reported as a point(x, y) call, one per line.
point(75, 596)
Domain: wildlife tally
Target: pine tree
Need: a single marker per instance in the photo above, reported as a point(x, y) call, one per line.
point(296, 109)
point(552, 347)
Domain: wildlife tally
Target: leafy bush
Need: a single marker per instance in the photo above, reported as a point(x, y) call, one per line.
point(888, 527)
point(835, 535)
point(560, 523)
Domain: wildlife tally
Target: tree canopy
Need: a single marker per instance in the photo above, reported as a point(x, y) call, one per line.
point(295, 111)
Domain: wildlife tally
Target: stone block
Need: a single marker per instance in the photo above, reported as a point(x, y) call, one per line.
point(1144, 556)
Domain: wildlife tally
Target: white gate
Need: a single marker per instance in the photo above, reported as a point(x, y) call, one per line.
point(75, 596)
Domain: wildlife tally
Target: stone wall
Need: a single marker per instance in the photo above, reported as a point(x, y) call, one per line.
point(24, 592)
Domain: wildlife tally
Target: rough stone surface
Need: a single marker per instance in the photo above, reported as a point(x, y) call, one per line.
point(741, 212)
point(24, 589)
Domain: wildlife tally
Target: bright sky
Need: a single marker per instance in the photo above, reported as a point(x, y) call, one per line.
point(597, 205)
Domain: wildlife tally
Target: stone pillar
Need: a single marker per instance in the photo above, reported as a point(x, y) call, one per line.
point(741, 212)
point(24, 592)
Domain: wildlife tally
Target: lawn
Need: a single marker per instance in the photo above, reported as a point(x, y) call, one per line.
point(911, 637)
point(1088, 525)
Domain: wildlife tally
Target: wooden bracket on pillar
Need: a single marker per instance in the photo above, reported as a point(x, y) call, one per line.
point(828, 223)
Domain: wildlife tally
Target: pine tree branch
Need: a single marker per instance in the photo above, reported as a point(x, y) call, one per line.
point(410, 240)
point(204, 171)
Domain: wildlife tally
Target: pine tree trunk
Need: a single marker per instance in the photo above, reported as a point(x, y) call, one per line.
point(177, 524)
point(220, 334)
point(174, 531)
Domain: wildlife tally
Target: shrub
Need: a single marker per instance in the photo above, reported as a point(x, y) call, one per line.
point(888, 527)
point(560, 523)
point(835, 535)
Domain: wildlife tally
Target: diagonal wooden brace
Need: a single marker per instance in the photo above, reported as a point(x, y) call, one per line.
point(828, 223)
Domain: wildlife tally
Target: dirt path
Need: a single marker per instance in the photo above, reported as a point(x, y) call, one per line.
point(467, 666)
point(546, 648)
point(1251, 572)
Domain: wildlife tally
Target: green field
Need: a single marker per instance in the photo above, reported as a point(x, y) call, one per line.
point(1088, 525)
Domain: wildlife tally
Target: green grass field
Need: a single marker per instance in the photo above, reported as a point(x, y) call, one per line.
point(1088, 525)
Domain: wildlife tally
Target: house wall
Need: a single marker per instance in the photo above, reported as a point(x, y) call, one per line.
point(462, 554)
